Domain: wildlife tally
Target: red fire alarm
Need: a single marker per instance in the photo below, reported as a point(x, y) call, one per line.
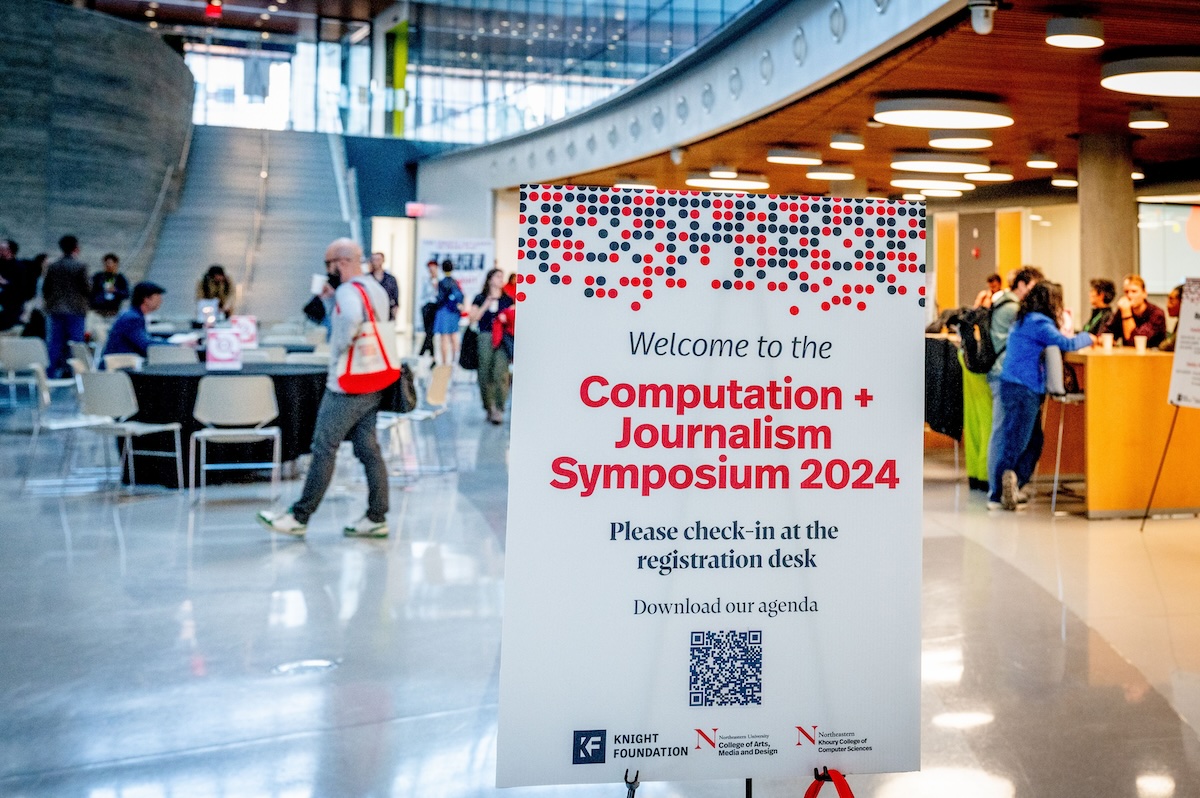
point(212, 9)
point(414, 210)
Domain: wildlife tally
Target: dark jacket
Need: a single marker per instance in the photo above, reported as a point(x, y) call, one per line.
point(66, 288)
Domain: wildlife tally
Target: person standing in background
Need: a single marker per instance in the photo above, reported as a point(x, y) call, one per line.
point(487, 310)
point(1100, 295)
point(109, 288)
point(388, 282)
point(1174, 304)
point(449, 313)
point(429, 306)
point(66, 294)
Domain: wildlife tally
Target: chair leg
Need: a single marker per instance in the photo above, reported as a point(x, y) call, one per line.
point(1062, 414)
point(276, 464)
point(192, 470)
point(108, 459)
point(178, 462)
point(203, 466)
point(33, 442)
point(129, 455)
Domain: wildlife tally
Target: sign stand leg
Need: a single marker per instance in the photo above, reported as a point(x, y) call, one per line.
point(631, 786)
point(1154, 487)
point(749, 788)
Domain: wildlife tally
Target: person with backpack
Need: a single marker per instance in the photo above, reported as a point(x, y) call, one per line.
point(1002, 316)
point(1023, 387)
point(449, 312)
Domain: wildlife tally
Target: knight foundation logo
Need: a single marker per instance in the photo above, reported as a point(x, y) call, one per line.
point(590, 747)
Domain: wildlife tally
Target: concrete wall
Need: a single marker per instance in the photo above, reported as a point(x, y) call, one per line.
point(95, 111)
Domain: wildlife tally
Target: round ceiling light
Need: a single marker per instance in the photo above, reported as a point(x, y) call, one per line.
point(959, 140)
point(1148, 119)
point(744, 182)
point(794, 157)
point(831, 171)
point(722, 172)
point(1161, 76)
point(941, 113)
point(1075, 33)
point(921, 182)
point(938, 162)
point(941, 193)
point(913, 197)
point(1064, 180)
point(1040, 160)
point(846, 141)
point(993, 175)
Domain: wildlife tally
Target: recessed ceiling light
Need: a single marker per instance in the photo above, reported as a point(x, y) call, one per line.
point(914, 197)
point(1035, 217)
point(941, 113)
point(959, 140)
point(629, 181)
point(994, 175)
point(1162, 76)
point(846, 141)
point(150, 12)
point(874, 123)
point(939, 162)
point(1075, 33)
point(745, 182)
point(941, 193)
point(1045, 223)
point(794, 157)
point(1040, 160)
point(831, 171)
point(722, 172)
point(1138, 174)
point(1064, 180)
point(919, 182)
point(1148, 119)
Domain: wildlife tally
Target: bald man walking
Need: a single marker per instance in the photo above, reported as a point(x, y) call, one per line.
point(343, 416)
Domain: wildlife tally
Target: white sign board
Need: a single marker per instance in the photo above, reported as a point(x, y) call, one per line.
point(472, 257)
point(246, 328)
point(1185, 373)
point(713, 553)
point(222, 350)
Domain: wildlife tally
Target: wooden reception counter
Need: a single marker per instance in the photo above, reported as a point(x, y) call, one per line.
point(1126, 421)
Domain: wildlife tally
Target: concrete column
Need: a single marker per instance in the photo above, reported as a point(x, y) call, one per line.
point(1107, 211)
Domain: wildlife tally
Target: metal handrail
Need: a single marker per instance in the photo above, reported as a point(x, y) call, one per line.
point(255, 241)
point(155, 218)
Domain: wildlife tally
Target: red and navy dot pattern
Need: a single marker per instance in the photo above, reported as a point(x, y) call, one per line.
point(632, 245)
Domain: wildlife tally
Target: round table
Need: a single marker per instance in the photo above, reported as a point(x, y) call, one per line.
point(167, 392)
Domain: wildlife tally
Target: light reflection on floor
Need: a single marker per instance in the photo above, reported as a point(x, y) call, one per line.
point(142, 639)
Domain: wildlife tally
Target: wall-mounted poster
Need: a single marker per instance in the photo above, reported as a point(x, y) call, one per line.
point(713, 553)
point(472, 257)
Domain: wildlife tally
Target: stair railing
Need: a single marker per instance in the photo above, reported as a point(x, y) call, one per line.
point(154, 221)
point(254, 244)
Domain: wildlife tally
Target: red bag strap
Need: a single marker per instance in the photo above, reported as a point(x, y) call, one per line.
point(366, 302)
point(819, 779)
point(370, 317)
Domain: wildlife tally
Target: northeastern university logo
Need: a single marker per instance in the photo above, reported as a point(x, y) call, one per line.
point(589, 747)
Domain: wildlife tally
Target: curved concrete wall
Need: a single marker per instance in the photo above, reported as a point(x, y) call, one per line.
point(93, 112)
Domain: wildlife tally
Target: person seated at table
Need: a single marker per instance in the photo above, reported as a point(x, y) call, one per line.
point(128, 335)
point(1174, 303)
point(1135, 316)
point(1100, 295)
point(215, 285)
point(984, 298)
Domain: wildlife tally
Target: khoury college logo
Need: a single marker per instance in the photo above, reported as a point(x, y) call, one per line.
point(589, 747)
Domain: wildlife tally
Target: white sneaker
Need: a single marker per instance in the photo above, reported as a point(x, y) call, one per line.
point(283, 523)
point(1008, 490)
point(991, 505)
point(366, 528)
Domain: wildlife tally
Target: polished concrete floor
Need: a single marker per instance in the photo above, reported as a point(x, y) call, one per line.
point(151, 649)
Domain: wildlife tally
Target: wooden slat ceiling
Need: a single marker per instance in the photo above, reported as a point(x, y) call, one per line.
point(1054, 95)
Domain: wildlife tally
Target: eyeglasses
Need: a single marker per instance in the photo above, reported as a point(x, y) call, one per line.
point(332, 261)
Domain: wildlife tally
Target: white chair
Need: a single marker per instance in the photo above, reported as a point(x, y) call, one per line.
point(18, 356)
point(235, 409)
point(84, 353)
point(429, 406)
point(109, 394)
point(171, 354)
point(264, 354)
point(43, 421)
point(1056, 388)
point(116, 362)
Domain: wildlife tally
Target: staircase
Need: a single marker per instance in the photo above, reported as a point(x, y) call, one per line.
point(215, 220)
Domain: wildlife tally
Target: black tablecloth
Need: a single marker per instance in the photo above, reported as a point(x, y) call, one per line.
point(167, 392)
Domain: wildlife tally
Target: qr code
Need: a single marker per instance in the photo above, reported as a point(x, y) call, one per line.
point(726, 669)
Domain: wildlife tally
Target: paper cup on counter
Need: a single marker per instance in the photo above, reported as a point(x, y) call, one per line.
point(1139, 344)
point(1106, 342)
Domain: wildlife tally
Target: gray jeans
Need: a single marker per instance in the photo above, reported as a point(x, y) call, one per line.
point(351, 417)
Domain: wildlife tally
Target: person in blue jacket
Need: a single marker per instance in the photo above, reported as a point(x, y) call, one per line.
point(128, 335)
point(1022, 385)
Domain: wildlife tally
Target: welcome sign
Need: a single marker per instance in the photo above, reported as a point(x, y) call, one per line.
point(714, 547)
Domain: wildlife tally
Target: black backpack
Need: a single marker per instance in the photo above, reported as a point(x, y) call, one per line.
point(975, 330)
